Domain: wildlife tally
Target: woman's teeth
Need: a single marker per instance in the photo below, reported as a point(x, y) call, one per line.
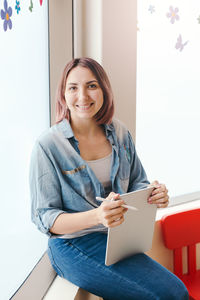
point(84, 107)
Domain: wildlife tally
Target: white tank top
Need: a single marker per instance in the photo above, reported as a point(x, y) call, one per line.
point(101, 168)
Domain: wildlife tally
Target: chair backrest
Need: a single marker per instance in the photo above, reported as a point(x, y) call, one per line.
point(179, 230)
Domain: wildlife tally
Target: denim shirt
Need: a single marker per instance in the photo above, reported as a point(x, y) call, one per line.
point(61, 180)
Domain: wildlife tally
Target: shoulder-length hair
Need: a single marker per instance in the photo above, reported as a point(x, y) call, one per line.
point(105, 114)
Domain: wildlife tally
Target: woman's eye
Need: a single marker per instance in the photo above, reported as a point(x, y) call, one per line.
point(72, 88)
point(92, 86)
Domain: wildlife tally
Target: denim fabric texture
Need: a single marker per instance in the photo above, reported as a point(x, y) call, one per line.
point(81, 261)
point(61, 181)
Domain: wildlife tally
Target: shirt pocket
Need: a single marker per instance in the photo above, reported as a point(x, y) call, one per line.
point(77, 183)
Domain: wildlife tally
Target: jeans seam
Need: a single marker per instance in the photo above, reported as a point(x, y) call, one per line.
point(54, 263)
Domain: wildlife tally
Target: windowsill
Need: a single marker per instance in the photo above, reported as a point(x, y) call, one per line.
point(176, 208)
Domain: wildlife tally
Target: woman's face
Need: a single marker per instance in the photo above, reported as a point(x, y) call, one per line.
point(83, 94)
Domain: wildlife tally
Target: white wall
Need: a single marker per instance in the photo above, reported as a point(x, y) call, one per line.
point(61, 48)
point(88, 29)
point(106, 31)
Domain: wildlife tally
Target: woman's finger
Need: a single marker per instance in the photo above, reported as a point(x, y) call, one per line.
point(156, 197)
point(163, 205)
point(115, 211)
point(161, 200)
point(155, 184)
point(161, 189)
point(116, 222)
point(109, 205)
point(115, 218)
point(113, 196)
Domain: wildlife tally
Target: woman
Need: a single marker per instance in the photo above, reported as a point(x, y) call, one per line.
point(88, 154)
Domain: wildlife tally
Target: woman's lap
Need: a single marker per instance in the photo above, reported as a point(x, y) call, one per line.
point(81, 261)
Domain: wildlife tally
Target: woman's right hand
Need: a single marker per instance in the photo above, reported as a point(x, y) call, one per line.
point(111, 213)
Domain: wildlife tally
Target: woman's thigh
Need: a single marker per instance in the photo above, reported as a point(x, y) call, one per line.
point(81, 261)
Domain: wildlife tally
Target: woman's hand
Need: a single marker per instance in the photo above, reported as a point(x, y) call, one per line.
point(159, 195)
point(111, 213)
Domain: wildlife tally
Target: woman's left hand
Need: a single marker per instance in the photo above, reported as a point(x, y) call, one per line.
point(159, 195)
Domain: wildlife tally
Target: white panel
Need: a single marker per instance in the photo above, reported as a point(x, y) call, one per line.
point(168, 106)
point(24, 111)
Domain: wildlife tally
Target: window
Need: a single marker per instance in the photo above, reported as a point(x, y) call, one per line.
point(24, 86)
point(168, 106)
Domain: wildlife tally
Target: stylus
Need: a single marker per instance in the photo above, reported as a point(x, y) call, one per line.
point(123, 205)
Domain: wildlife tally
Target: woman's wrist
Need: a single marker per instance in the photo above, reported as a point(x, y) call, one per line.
point(96, 216)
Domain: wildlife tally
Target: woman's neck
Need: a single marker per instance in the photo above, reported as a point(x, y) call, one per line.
point(85, 128)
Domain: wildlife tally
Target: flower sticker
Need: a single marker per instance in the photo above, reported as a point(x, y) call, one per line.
point(151, 9)
point(17, 6)
point(173, 14)
point(41, 2)
point(5, 15)
point(179, 44)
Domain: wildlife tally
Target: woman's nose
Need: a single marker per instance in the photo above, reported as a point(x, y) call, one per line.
point(83, 94)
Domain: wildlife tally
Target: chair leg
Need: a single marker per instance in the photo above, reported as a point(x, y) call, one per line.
point(178, 268)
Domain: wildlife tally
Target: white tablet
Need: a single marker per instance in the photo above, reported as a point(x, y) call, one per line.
point(135, 234)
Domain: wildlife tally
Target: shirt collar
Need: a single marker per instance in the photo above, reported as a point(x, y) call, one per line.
point(66, 129)
point(108, 128)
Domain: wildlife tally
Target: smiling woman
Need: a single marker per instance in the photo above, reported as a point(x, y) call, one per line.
point(65, 183)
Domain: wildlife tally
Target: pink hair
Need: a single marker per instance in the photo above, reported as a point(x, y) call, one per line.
point(105, 114)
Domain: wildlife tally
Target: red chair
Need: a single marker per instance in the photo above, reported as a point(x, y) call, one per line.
point(179, 230)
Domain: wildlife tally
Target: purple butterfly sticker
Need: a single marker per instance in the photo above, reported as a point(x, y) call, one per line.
point(179, 44)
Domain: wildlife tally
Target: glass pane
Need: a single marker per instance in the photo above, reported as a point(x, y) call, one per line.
point(24, 111)
point(168, 106)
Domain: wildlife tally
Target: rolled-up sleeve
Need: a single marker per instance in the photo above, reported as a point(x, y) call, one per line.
point(45, 190)
point(138, 178)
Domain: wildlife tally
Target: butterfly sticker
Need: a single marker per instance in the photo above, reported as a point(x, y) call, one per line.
point(179, 44)
point(31, 6)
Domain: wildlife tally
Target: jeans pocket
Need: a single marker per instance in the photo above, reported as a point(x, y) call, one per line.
point(53, 263)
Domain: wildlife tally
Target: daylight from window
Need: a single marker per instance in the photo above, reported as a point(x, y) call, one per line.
point(168, 93)
point(24, 113)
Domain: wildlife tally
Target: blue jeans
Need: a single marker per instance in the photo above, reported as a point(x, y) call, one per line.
point(81, 261)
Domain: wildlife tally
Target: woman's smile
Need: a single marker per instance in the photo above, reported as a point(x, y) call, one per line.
point(84, 107)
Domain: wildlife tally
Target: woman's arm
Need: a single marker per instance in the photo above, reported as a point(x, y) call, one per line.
point(67, 223)
point(110, 214)
point(47, 208)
